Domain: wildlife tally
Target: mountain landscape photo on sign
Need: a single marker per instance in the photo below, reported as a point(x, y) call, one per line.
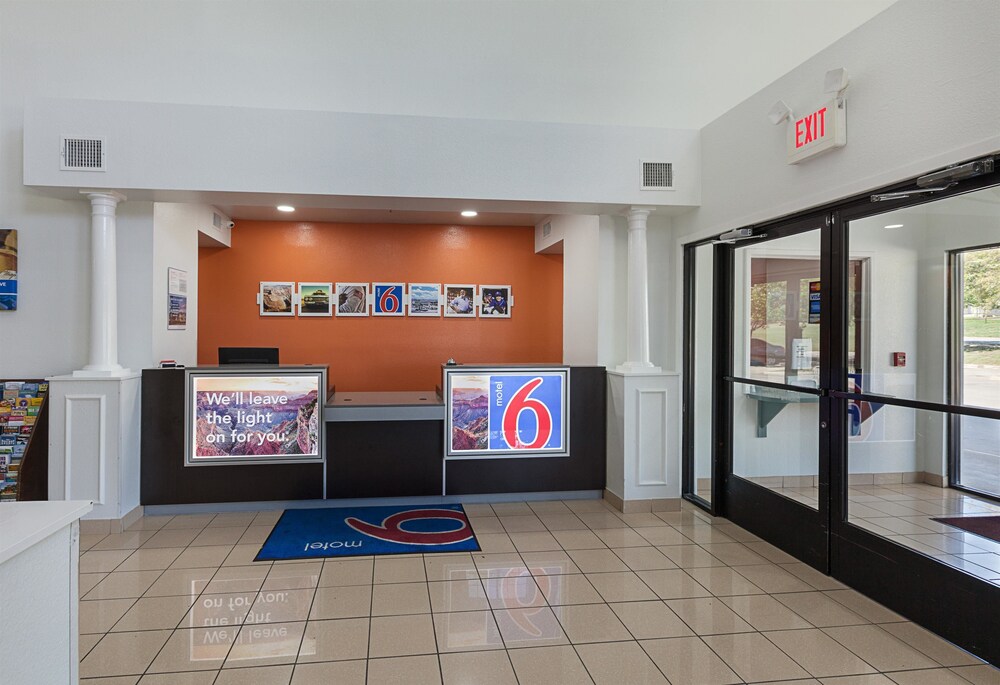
point(470, 413)
point(256, 416)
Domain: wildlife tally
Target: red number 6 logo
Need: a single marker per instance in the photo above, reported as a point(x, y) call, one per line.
point(388, 302)
point(521, 401)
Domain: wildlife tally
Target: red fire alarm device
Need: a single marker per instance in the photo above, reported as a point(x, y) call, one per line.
point(899, 358)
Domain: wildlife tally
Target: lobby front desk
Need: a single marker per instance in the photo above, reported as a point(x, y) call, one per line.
point(377, 444)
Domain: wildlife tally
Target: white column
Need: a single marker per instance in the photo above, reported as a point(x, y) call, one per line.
point(637, 314)
point(103, 359)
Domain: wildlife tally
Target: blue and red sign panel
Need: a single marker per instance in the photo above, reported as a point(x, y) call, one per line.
point(388, 299)
point(359, 531)
point(516, 413)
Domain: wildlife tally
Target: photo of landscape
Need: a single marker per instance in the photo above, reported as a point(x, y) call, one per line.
point(470, 413)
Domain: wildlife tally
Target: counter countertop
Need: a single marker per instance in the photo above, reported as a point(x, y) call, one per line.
point(384, 399)
point(22, 524)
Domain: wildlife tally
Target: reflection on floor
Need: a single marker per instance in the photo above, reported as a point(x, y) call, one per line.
point(563, 592)
point(903, 513)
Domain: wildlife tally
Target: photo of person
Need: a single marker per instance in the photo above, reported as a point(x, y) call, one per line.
point(352, 299)
point(460, 300)
point(495, 301)
point(276, 298)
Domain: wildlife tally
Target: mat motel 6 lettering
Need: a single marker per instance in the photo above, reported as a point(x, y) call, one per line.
point(824, 128)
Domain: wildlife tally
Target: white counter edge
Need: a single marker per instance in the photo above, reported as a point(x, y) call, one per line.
point(23, 524)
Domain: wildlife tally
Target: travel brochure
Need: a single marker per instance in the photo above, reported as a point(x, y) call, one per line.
point(462, 300)
point(19, 410)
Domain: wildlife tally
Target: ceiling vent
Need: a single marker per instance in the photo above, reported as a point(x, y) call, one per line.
point(657, 176)
point(83, 154)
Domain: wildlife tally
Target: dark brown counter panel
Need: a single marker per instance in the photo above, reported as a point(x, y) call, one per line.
point(165, 479)
point(583, 469)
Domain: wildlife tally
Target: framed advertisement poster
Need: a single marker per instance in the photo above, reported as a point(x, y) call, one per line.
point(509, 411)
point(8, 269)
point(254, 416)
point(176, 299)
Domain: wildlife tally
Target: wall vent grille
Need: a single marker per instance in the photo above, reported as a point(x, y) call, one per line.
point(546, 229)
point(83, 154)
point(657, 176)
point(216, 220)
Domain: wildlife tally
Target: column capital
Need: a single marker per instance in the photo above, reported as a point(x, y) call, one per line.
point(637, 215)
point(105, 197)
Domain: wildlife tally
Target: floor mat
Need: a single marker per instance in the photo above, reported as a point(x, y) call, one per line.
point(985, 526)
point(360, 531)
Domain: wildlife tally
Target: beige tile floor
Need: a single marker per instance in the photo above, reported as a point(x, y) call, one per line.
point(903, 513)
point(562, 592)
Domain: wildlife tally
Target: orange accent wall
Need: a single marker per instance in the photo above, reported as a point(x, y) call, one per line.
point(381, 353)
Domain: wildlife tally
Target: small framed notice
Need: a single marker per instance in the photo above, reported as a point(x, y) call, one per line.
point(177, 286)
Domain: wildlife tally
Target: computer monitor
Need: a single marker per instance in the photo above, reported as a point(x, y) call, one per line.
point(248, 355)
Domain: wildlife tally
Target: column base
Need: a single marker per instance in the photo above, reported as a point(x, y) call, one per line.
point(103, 372)
point(637, 368)
point(641, 506)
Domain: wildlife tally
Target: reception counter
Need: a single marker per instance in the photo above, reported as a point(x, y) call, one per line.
point(377, 444)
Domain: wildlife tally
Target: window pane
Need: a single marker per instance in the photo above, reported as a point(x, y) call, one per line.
point(702, 347)
point(776, 440)
point(776, 310)
point(897, 465)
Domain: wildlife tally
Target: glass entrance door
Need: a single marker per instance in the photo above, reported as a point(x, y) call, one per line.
point(774, 388)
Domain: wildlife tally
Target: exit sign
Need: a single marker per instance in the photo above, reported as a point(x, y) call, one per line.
point(825, 128)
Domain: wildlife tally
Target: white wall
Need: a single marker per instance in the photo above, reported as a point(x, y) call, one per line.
point(923, 94)
point(175, 245)
point(256, 150)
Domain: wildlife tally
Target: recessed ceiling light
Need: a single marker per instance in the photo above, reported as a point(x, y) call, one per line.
point(894, 226)
point(285, 208)
point(470, 213)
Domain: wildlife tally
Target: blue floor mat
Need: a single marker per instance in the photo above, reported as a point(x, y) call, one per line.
point(360, 531)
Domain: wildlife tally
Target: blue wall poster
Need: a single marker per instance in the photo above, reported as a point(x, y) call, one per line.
point(512, 412)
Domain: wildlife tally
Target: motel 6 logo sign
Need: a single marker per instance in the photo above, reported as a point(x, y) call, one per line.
point(525, 412)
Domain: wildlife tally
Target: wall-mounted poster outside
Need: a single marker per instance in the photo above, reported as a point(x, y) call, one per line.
point(250, 416)
point(425, 299)
point(460, 300)
point(8, 269)
point(389, 299)
point(506, 412)
point(814, 294)
point(177, 287)
point(276, 298)
point(315, 299)
point(352, 299)
point(496, 301)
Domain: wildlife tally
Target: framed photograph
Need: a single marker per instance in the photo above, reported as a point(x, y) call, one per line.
point(352, 299)
point(425, 299)
point(460, 301)
point(389, 299)
point(495, 301)
point(276, 298)
point(315, 299)
point(497, 412)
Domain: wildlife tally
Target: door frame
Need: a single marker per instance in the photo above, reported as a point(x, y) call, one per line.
point(903, 579)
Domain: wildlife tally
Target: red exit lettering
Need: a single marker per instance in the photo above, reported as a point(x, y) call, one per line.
point(810, 128)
